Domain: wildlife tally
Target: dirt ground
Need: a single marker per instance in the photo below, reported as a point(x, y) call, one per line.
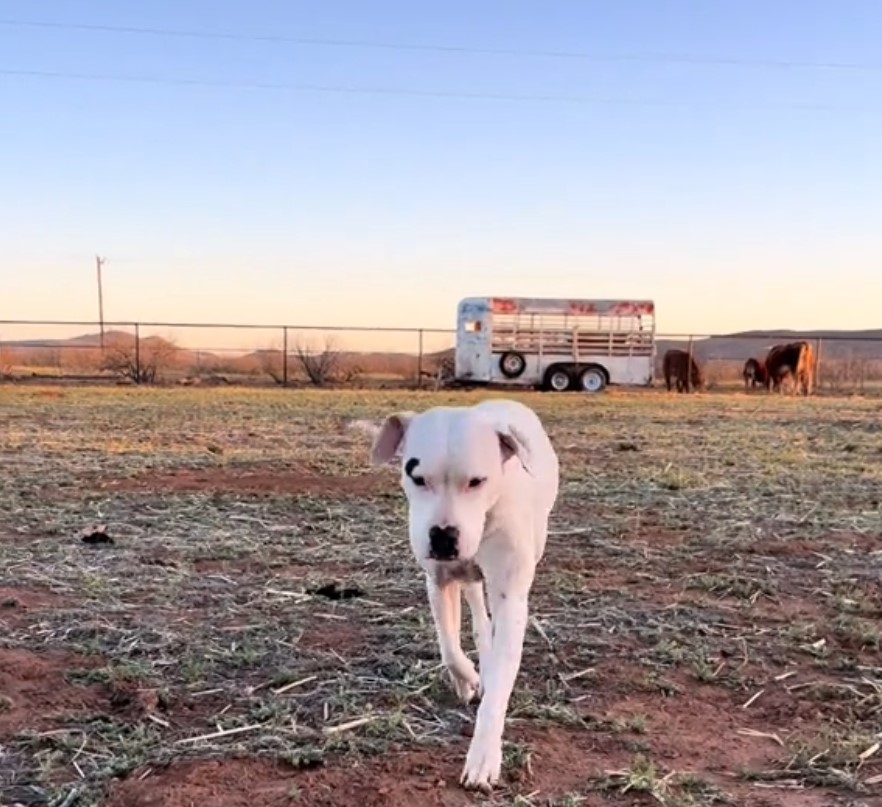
point(245, 624)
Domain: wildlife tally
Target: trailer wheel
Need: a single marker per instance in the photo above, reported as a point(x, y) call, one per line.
point(512, 364)
point(592, 379)
point(558, 379)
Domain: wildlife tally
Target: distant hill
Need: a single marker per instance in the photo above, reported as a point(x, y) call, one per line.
point(85, 340)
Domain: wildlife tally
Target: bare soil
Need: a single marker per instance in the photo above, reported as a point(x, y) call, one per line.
point(706, 625)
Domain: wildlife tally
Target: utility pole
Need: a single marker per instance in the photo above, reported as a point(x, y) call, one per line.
point(99, 262)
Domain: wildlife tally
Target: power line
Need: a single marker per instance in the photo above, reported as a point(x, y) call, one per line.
point(419, 93)
point(652, 58)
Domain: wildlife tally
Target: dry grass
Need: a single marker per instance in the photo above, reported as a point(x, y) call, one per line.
point(705, 624)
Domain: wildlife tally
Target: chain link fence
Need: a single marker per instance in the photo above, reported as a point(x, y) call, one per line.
point(221, 354)
point(257, 355)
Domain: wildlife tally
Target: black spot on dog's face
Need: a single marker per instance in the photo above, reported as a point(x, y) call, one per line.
point(409, 467)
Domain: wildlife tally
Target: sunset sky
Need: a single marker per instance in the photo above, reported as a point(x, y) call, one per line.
point(372, 163)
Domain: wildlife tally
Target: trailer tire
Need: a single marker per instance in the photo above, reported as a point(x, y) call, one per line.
point(558, 379)
point(512, 364)
point(593, 379)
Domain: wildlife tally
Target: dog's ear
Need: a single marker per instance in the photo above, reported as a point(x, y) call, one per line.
point(513, 444)
point(387, 443)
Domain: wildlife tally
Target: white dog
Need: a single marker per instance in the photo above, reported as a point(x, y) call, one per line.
point(481, 482)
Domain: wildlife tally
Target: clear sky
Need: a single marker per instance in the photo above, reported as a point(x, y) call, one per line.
point(723, 157)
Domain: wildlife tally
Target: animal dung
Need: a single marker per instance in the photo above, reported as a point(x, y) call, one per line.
point(334, 592)
point(96, 535)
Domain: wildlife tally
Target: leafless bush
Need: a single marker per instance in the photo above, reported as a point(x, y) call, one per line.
point(320, 366)
point(141, 363)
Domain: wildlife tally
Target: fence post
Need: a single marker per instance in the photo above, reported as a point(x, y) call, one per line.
point(689, 368)
point(137, 353)
point(818, 364)
point(285, 356)
point(419, 378)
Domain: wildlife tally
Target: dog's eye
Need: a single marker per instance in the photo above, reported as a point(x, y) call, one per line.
point(419, 481)
point(475, 482)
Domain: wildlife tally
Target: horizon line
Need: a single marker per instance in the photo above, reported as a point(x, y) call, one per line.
point(813, 333)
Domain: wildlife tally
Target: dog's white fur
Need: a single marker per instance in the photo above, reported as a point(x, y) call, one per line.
point(503, 524)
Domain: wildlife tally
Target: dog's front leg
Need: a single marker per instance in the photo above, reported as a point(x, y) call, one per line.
point(446, 606)
point(509, 606)
point(481, 628)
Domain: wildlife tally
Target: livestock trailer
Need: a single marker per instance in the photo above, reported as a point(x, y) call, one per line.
point(555, 344)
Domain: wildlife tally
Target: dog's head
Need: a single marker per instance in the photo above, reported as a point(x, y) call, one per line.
point(453, 466)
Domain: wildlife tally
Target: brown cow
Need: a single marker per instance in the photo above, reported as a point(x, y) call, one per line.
point(755, 374)
point(796, 359)
point(675, 366)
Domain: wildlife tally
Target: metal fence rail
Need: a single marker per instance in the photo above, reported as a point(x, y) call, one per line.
point(290, 355)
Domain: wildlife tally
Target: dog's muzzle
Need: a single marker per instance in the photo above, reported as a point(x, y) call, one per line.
point(443, 543)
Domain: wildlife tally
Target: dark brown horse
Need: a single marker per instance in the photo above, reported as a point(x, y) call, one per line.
point(755, 374)
point(682, 369)
point(796, 359)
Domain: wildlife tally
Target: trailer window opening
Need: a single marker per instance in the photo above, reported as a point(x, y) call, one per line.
point(473, 326)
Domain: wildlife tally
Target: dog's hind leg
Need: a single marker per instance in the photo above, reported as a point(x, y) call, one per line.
point(445, 602)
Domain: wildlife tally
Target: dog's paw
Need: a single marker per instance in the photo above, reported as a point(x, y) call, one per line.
point(483, 765)
point(466, 687)
point(463, 677)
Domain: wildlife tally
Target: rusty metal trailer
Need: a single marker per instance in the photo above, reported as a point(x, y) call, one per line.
point(555, 344)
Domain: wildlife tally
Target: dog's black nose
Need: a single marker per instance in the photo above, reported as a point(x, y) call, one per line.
point(443, 543)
